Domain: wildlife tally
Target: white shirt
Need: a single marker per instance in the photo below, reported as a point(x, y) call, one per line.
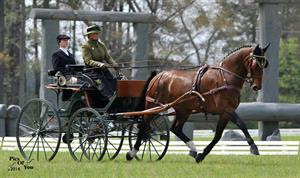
point(65, 50)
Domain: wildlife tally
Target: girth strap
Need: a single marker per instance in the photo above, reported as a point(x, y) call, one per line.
point(198, 76)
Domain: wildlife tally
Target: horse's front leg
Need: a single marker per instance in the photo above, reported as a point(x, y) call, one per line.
point(223, 120)
point(240, 123)
point(141, 132)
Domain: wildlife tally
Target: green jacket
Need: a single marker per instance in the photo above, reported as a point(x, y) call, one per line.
point(94, 53)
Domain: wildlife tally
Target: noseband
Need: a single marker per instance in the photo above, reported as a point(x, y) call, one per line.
point(249, 77)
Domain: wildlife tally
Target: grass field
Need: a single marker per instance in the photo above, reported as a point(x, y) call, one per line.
point(171, 166)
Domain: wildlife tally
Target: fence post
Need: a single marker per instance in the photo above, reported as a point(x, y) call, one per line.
point(269, 33)
point(13, 112)
point(2, 119)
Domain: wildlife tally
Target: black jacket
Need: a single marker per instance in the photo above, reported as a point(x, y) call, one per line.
point(60, 60)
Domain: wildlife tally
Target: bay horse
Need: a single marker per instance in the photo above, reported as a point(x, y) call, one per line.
point(218, 93)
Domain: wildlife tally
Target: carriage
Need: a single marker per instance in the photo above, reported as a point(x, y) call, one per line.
point(91, 125)
point(92, 129)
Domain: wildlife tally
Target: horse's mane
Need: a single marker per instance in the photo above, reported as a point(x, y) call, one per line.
point(244, 46)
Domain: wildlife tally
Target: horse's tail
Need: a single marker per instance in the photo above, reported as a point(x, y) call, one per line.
point(140, 105)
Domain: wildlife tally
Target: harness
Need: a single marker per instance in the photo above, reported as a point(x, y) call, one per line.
point(195, 90)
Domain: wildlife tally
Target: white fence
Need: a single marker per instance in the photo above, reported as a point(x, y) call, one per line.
point(178, 147)
point(252, 132)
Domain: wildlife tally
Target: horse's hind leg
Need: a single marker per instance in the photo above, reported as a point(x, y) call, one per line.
point(240, 123)
point(223, 120)
point(177, 130)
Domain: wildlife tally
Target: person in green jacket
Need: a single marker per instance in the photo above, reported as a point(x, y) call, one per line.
point(95, 56)
point(94, 52)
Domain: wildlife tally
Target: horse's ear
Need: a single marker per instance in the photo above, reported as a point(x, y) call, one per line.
point(256, 50)
point(266, 47)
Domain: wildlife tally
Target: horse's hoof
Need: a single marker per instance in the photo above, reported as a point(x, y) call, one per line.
point(254, 150)
point(199, 158)
point(128, 157)
point(193, 154)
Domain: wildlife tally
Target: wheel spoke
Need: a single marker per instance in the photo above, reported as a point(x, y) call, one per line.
point(33, 120)
point(44, 126)
point(144, 150)
point(56, 139)
point(150, 150)
point(43, 116)
point(108, 153)
point(154, 148)
point(95, 150)
point(48, 144)
point(111, 144)
point(158, 141)
point(38, 147)
point(33, 146)
point(20, 124)
point(80, 145)
point(28, 142)
point(82, 151)
point(51, 129)
point(44, 148)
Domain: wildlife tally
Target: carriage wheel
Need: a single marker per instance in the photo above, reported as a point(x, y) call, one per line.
point(38, 130)
point(87, 135)
point(155, 142)
point(116, 132)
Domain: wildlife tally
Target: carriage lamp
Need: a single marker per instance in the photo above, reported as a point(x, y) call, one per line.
point(60, 79)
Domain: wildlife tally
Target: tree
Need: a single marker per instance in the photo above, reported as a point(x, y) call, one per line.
point(2, 68)
point(14, 47)
point(289, 73)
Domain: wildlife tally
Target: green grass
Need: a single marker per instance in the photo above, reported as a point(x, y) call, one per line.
point(171, 166)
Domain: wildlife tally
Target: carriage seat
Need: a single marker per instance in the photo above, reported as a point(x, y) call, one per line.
point(74, 67)
point(51, 72)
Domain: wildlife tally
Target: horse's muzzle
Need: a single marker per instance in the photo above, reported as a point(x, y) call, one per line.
point(255, 87)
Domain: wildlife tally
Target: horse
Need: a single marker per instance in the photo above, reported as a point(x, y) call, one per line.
point(218, 89)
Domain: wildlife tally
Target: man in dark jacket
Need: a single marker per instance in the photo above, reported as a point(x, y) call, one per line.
point(62, 56)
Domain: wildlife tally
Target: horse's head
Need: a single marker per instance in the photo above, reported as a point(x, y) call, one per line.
point(255, 65)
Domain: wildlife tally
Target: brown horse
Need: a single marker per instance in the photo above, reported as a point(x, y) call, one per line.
point(219, 89)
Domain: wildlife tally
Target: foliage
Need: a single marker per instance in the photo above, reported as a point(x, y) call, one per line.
point(289, 73)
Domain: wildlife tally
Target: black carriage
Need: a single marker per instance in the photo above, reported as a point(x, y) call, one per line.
point(91, 123)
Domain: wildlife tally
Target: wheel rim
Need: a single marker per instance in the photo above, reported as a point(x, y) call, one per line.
point(87, 135)
point(155, 142)
point(116, 132)
point(38, 130)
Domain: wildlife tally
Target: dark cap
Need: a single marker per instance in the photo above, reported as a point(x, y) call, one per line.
point(93, 29)
point(62, 36)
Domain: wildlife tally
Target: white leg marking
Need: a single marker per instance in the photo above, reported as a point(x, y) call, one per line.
point(191, 145)
point(132, 153)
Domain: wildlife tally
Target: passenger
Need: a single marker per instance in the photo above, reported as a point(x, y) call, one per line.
point(95, 55)
point(62, 56)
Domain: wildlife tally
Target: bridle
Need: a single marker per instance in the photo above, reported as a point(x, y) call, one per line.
point(253, 62)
